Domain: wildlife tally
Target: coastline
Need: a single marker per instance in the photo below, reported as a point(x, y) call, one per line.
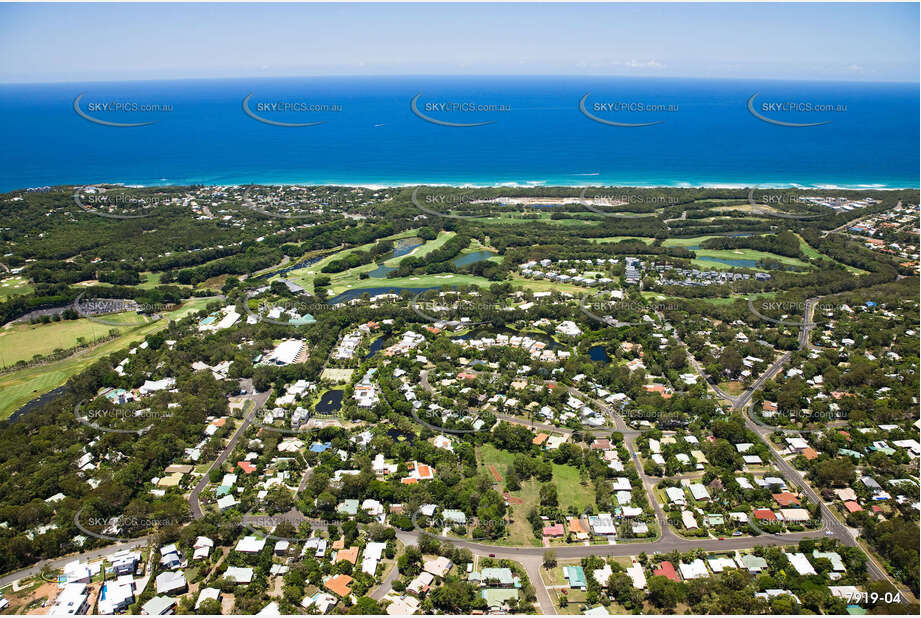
point(595, 181)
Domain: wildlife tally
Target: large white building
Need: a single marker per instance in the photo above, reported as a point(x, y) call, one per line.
point(285, 352)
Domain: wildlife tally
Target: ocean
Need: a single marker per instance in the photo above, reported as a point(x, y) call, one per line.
point(536, 133)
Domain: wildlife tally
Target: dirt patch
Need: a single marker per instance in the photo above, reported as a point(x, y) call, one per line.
point(495, 473)
point(512, 499)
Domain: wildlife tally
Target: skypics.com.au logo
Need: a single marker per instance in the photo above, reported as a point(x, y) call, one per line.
point(92, 308)
point(282, 111)
point(438, 112)
point(768, 204)
point(117, 203)
point(599, 201)
point(786, 308)
point(603, 310)
point(93, 417)
point(441, 203)
point(771, 112)
point(120, 528)
point(615, 113)
point(118, 112)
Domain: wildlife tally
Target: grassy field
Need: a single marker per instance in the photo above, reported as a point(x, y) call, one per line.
point(19, 387)
point(570, 492)
point(686, 242)
point(21, 341)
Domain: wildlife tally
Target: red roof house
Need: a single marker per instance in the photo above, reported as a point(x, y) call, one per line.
point(556, 530)
point(667, 570)
point(852, 507)
point(786, 499)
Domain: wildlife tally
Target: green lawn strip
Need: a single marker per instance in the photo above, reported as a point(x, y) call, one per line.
point(426, 248)
point(810, 252)
point(608, 239)
point(686, 242)
point(19, 387)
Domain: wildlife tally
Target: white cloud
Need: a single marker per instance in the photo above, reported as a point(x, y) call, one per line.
point(648, 64)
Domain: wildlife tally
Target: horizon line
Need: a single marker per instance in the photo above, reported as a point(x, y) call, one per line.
point(458, 75)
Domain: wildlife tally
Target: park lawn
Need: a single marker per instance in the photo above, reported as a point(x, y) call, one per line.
point(426, 248)
point(16, 284)
point(21, 340)
point(19, 387)
point(570, 490)
point(151, 280)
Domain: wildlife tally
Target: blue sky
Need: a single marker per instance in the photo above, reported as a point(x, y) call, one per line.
point(90, 42)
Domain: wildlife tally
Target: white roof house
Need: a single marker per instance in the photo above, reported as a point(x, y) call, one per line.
point(801, 564)
point(250, 545)
point(699, 491)
point(636, 574)
point(675, 495)
point(693, 570)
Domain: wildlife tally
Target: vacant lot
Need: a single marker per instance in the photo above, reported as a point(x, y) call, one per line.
point(337, 375)
point(569, 491)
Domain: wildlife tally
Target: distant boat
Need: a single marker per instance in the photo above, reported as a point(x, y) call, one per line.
point(380, 124)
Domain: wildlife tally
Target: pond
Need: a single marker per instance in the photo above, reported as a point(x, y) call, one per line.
point(598, 353)
point(381, 271)
point(288, 269)
point(402, 246)
point(330, 402)
point(471, 258)
point(736, 263)
point(376, 346)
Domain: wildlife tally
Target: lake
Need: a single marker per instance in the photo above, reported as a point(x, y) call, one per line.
point(330, 402)
point(471, 258)
point(598, 353)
